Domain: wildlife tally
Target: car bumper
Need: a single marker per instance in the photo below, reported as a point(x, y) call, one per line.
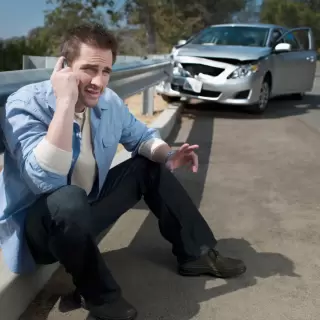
point(166, 89)
point(243, 91)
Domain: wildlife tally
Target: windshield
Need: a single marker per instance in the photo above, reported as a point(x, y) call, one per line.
point(232, 36)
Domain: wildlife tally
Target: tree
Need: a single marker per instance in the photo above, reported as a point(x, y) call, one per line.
point(250, 13)
point(69, 13)
point(166, 21)
point(162, 23)
point(12, 50)
point(141, 26)
point(313, 5)
point(293, 14)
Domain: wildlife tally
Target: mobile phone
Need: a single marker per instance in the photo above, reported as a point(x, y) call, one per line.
point(65, 63)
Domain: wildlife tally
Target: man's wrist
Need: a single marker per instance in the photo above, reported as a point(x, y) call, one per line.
point(168, 156)
point(65, 104)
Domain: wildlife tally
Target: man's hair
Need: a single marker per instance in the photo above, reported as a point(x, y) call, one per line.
point(91, 34)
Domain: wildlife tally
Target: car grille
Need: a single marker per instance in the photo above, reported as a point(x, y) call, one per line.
point(195, 69)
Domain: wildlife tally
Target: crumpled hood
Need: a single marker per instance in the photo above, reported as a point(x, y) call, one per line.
point(228, 52)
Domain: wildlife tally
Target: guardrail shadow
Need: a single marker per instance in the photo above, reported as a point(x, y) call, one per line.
point(279, 107)
point(146, 269)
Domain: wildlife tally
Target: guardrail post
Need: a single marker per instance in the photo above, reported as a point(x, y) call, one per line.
point(148, 101)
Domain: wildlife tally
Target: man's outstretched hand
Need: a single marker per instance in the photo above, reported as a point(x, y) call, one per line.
point(185, 155)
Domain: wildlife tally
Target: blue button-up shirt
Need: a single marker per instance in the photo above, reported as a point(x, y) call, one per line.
point(25, 122)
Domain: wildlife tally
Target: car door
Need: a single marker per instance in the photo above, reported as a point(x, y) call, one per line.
point(281, 64)
point(304, 56)
point(309, 59)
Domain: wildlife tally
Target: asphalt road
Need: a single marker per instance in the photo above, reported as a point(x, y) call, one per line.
point(258, 188)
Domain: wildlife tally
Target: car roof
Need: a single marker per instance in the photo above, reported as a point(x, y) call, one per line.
point(260, 25)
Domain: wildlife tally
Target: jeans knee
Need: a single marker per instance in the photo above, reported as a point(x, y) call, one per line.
point(69, 206)
point(150, 168)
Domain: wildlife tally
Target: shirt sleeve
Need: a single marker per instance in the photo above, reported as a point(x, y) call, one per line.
point(148, 147)
point(52, 158)
point(134, 132)
point(24, 128)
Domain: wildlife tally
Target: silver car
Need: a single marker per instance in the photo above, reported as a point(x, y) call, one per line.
point(242, 64)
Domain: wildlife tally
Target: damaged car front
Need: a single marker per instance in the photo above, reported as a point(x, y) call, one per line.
point(225, 64)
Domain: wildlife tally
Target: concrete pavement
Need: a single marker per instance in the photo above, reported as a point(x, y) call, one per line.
point(258, 188)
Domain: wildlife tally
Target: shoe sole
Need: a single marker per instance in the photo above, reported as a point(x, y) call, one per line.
point(205, 272)
point(131, 318)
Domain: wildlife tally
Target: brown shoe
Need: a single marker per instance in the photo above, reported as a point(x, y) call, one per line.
point(214, 264)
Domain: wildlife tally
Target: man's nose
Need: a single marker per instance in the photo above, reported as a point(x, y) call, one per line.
point(97, 81)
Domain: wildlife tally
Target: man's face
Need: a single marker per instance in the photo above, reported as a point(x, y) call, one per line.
point(93, 68)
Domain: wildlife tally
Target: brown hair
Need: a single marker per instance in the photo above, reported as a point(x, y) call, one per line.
point(88, 33)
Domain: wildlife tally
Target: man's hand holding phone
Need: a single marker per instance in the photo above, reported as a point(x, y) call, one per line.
point(65, 87)
point(65, 84)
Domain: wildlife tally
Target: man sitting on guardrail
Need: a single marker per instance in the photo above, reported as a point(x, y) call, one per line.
point(57, 192)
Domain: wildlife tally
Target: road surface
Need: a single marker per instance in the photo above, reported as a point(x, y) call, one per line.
point(258, 188)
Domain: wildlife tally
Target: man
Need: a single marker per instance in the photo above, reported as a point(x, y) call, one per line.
point(61, 136)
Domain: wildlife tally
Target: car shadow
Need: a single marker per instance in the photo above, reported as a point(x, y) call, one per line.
point(279, 107)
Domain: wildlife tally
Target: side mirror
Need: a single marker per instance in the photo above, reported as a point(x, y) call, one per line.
point(181, 42)
point(282, 47)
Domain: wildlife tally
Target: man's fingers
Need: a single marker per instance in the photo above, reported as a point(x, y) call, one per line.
point(195, 162)
point(184, 147)
point(59, 64)
point(191, 149)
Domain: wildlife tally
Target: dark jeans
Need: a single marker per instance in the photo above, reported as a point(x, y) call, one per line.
point(63, 226)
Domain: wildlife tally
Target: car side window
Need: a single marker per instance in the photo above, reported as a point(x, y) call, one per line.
point(276, 34)
point(291, 39)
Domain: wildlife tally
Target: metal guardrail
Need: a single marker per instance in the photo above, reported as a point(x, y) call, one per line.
point(41, 62)
point(126, 80)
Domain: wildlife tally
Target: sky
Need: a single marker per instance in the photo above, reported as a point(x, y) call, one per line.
point(17, 17)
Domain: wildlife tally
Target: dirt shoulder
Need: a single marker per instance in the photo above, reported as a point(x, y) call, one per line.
point(135, 106)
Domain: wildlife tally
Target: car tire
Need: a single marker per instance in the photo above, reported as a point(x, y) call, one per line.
point(264, 97)
point(169, 99)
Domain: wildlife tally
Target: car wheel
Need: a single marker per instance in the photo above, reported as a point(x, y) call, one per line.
point(170, 99)
point(264, 97)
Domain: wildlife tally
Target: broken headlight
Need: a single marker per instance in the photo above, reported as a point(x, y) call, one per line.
point(244, 71)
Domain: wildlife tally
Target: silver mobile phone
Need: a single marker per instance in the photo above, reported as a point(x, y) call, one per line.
point(65, 63)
